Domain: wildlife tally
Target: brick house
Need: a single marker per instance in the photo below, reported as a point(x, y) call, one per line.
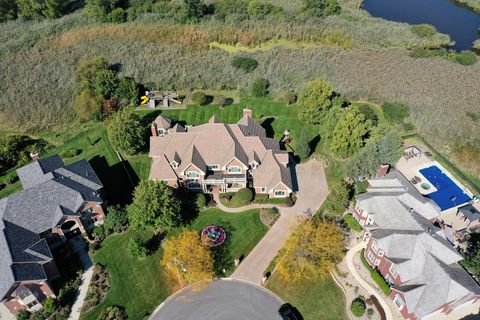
point(214, 154)
point(57, 203)
point(409, 248)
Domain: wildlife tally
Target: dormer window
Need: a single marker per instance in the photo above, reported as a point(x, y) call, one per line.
point(234, 169)
point(161, 132)
point(213, 167)
point(174, 164)
point(253, 164)
point(192, 174)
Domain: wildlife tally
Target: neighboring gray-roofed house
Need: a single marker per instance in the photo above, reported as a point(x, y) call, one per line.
point(410, 249)
point(53, 194)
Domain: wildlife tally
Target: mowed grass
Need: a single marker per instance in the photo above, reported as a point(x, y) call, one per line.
point(274, 116)
point(141, 165)
point(139, 285)
point(320, 299)
point(244, 230)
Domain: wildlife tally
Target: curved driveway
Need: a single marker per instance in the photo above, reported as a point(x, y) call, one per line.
point(221, 300)
point(312, 191)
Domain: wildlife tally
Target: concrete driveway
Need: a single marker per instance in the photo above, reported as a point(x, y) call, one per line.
point(220, 300)
point(313, 190)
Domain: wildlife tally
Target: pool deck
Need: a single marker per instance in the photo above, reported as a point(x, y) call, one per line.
point(410, 167)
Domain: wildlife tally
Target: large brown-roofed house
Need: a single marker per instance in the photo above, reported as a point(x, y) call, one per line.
point(227, 156)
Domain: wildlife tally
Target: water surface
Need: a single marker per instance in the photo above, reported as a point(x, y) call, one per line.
point(459, 22)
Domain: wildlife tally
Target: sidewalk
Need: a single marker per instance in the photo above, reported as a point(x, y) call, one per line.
point(349, 258)
point(86, 278)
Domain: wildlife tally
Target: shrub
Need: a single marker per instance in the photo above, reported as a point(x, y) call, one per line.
point(424, 30)
point(23, 315)
point(11, 179)
point(49, 306)
point(118, 15)
point(395, 112)
point(246, 64)
point(198, 97)
point(201, 201)
point(302, 146)
point(370, 312)
point(358, 306)
point(465, 58)
point(116, 219)
point(99, 233)
point(70, 153)
point(259, 87)
point(243, 196)
point(137, 248)
point(113, 313)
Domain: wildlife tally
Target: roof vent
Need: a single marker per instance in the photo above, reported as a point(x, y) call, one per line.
point(411, 210)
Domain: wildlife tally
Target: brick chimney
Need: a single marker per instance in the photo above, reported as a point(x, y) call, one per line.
point(383, 170)
point(248, 112)
point(154, 130)
point(34, 155)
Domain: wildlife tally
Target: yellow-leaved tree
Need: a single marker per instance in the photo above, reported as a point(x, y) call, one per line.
point(186, 257)
point(311, 251)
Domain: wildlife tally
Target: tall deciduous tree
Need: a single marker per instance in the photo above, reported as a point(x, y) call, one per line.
point(302, 147)
point(87, 104)
point(154, 207)
point(337, 200)
point(127, 91)
point(382, 149)
point(186, 257)
point(350, 132)
point(311, 251)
point(126, 132)
point(315, 101)
point(105, 83)
point(38, 9)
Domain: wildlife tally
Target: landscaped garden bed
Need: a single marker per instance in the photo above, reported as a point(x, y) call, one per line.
point(98, 288)
point(269, 216)
point(234, 200)
point(376, 276)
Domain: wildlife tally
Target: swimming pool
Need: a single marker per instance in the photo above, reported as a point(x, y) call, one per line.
point(448, 194)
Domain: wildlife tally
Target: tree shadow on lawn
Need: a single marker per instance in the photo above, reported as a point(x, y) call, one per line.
point(222, 254)
point(116, 183)
point(188, 200)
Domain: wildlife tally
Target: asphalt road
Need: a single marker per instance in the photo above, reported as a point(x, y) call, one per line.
point(221, 300)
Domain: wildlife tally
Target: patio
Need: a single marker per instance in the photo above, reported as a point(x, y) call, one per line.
point(410, 163)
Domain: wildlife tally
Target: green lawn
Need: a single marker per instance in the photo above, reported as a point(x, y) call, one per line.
point(275, 116)
point(94, 146)
point(352, 224)
point(137, 284)
point(141, 285)
point(141, 165)
point(314, 299)
point(244, 231)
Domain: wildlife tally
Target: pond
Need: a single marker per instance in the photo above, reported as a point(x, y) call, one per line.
point(459, 22)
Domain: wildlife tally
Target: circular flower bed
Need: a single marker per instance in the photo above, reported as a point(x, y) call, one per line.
point(425, 186)
point(213, 236)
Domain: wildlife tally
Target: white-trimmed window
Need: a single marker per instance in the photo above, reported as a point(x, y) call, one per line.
point(371, 256)
point(213, 167)
point(393, 271)
point(380, 253)
point(279, 193)
point(369, 220)
point(194, 185)
point(374, 246)
point(234, 169)
point(174, 164)
point(399, 302)
point(192, 174)
point(377, 262)
point(253, 164)
point(263, 189)
point(161, 131)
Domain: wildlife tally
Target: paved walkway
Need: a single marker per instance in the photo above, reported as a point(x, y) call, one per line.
point(313, 190)
point(353, 271)
point(216, 197)
point(86, 278)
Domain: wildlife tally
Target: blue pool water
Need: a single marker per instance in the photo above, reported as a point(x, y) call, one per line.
point(448, 193)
